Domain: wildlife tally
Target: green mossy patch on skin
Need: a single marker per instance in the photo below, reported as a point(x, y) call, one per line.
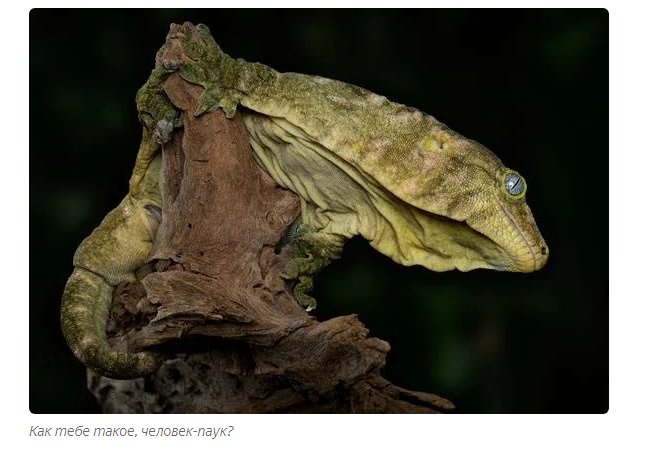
point(153, 104)
point(309, 252)
point(361, 165)
point(364, 163)
point(218, 84)
point(159, 118)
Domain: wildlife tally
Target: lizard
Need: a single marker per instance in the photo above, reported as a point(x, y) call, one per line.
point(417, 191)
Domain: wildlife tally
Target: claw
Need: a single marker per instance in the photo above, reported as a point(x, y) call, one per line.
point(310, 251)
point(305, 285)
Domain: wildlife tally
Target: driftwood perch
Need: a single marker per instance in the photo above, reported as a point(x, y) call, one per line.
point(213, 300)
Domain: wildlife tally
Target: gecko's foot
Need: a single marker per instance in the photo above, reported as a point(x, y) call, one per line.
point(309, 252)
point(305, 285)
point(208, 66)
point(156, 112)
point(213, 98)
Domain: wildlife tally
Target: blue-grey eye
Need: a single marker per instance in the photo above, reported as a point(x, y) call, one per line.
point(514, 184)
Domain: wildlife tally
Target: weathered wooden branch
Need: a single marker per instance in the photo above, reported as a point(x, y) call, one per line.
point(212, 297)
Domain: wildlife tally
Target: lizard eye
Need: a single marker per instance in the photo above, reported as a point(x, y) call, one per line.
point(515, 184)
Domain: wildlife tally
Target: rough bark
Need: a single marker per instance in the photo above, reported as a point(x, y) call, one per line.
point(212, 297)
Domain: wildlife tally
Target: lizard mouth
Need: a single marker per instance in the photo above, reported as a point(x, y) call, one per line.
point(451, 244)
point(526, 248)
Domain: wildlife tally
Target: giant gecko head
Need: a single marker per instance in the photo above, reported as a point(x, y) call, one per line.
point(471, 208)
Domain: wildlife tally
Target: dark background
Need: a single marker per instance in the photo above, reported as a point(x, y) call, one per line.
point(532, 85)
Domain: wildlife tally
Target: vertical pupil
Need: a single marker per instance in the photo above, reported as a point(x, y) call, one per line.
point(514, 184)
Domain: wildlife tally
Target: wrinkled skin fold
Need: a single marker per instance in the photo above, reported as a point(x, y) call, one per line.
point(337, 145)
point(419, 192)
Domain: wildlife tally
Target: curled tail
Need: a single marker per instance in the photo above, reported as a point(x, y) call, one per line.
point(84, 314)
point(107, 257)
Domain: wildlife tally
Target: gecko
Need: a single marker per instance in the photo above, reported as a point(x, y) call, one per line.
point(362, 165)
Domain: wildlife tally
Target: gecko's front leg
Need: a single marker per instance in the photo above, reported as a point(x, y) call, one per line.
point(310, 251)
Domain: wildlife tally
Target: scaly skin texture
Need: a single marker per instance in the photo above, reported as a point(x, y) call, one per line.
point(417, 191)
point(110, 255)
point(118, 246)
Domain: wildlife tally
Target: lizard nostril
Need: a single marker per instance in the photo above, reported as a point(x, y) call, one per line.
point(543, 251)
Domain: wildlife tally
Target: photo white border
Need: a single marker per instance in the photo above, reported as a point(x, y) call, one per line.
point(619, 428)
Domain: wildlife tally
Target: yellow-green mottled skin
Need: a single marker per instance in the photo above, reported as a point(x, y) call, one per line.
point(362, 165)
point(420, 192)
point(109, 256)
point(118, 246)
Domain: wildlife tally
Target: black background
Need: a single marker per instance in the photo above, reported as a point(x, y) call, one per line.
point(532, 85)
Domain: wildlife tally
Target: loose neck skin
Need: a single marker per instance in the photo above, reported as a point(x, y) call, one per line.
point(447, 186)
point(338, 199)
